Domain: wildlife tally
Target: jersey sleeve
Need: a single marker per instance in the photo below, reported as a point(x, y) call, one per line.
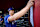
point(6, 19)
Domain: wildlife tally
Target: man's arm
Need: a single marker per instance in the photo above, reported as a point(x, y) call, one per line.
point(21, 12)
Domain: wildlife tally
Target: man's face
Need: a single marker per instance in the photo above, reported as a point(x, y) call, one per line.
point(11, 12)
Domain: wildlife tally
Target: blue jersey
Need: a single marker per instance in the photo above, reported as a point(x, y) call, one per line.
point(7, 23)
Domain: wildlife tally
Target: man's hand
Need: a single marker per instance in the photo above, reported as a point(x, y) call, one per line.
point(30, 3)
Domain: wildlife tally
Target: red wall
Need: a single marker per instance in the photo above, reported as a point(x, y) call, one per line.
point(37, 13)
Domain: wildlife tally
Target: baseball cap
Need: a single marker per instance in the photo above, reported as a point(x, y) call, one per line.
point(10, 9)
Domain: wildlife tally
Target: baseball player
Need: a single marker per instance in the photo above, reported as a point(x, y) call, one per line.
point(12, 17)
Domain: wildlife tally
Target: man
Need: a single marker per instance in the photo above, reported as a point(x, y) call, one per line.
point(12, 17)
